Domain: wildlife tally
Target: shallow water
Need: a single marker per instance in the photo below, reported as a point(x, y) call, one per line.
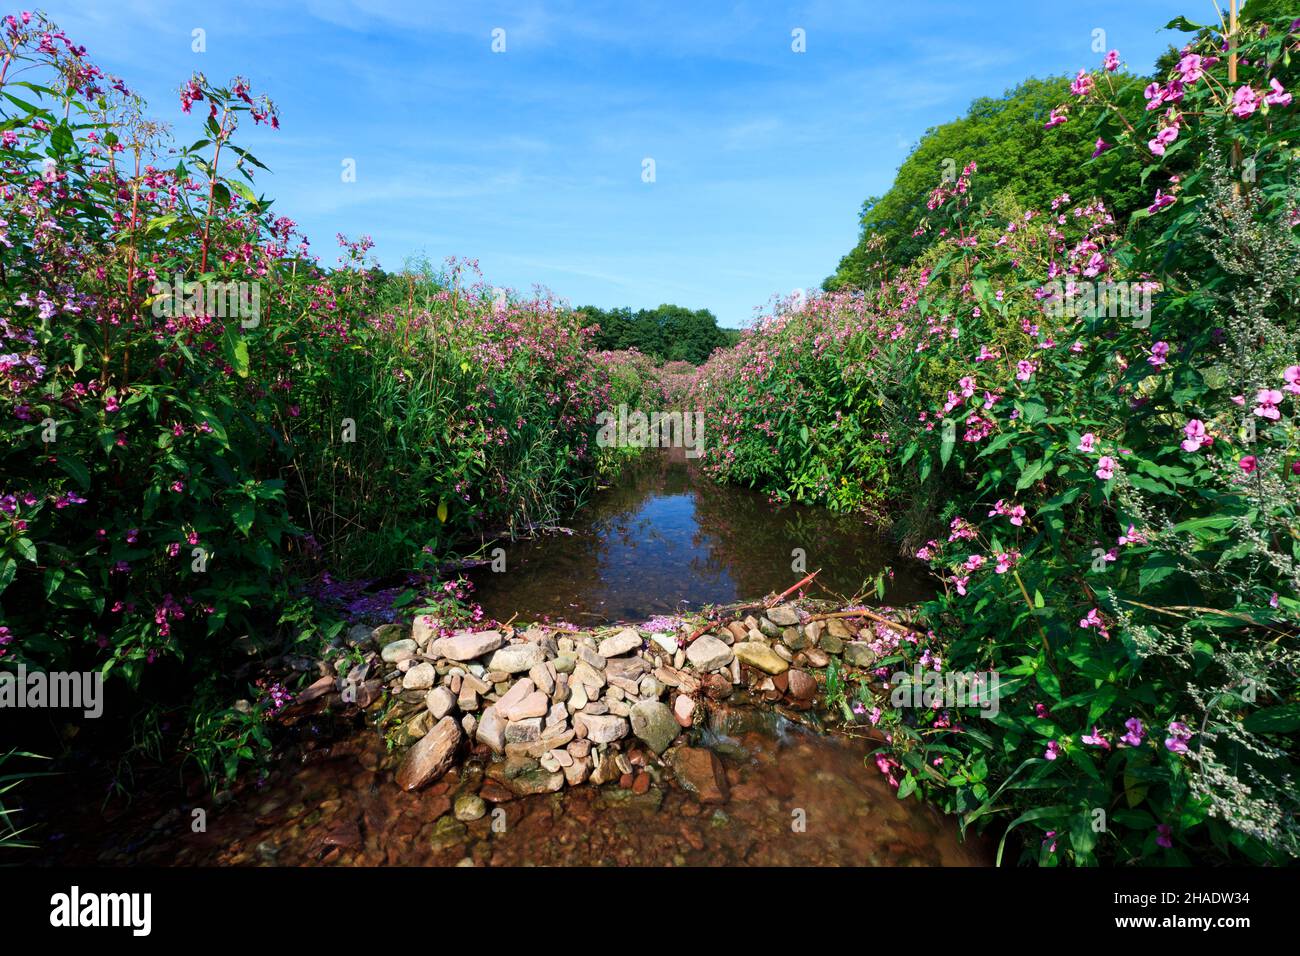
point(662, 540)
point(796, 798)
point(666, 539)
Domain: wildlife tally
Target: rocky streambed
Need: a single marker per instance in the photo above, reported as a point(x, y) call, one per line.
point(557, 707)
point(666, 744)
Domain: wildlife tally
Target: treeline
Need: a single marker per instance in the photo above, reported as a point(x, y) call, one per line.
point(669, 333)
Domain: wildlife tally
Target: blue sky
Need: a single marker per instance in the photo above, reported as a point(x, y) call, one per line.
point(531, 160)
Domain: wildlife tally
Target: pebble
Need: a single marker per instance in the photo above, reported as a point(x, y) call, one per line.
point(543, 678)
point(585, 674)
point(431, 757)
point(624, 642)
point(761, 656)
point(859, 654)
point(399, 651)
point(469, 806)
point(524, 731)
point(492, 730)
point(515, 658)
point(708, 653)
point(577, 772)
point(816, 657)
point(783, 615)
point(602, 729)
point(420, 677)
point(535, 704)
point(468, 699)
point(666, 641)
point(654, 724)
point(793, 638)
point(466, 646)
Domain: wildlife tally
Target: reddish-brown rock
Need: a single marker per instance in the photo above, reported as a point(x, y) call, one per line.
point(700, 771)
point(431, 757)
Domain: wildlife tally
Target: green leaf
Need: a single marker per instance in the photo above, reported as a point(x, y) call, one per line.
point(74, 467)
point(1285, 718)
point(243, 514)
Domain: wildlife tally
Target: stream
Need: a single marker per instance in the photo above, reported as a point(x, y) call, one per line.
point(666, 539)
point(663, 540)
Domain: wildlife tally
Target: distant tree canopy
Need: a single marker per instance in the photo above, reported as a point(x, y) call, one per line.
point(669, 333)
point(1016, 155)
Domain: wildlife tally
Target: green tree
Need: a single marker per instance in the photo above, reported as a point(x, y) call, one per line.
point(1017, 157)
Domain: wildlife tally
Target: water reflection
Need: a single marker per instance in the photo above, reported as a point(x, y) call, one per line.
point(665, 539)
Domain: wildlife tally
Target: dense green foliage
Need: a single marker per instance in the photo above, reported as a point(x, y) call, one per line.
point(198, 418)
point(1017, 158)
point(1109, 496)
point(669, 333)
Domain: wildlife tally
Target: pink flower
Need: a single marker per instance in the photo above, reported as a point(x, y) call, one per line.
point(1292, 377)
point(1247, 464)
point(1106, 468)
point(1096, 740)
point(1016, 513)
point(1057, 117)
point(1245, 101)
point(1088, 442)
point(1131, 536)
point(1159, 354)
point(1099, 147)
point(1191, 67)
point(1268, 399)
point(1160, 202)
point(1279, 96)
point(974, 562)
point(1112, 61)
point(1196, 435)
point(1135, 733)
point(1025, 370)
point(1005, 561)
point(1179, 734)
point(1093, 619)
point(960, 584)
point(1162, 140)
point(1082, 84)
point(1164, 833)
point(1053, 750)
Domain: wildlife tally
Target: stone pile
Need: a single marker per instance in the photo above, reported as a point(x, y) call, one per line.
point(553, 708)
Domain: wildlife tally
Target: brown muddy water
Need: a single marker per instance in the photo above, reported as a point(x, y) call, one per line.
point(667, 539)
point(796, 798)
